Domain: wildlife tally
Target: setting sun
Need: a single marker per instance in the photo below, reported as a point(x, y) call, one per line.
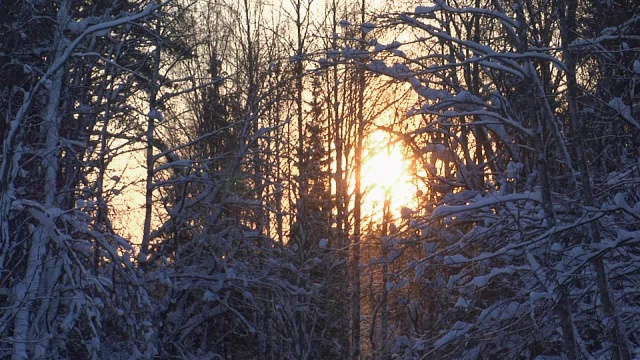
point(385, 175)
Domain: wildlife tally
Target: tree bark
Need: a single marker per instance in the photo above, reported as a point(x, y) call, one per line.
point(567, 16)
point(30, 342)
point(150, 158)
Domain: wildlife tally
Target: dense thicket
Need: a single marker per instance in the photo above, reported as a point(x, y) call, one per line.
point(525, 239)
point(184, 180)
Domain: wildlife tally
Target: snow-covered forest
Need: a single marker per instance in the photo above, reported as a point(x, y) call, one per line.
point(195, 179)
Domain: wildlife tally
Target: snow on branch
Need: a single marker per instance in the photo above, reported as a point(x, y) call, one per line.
point(448, 210)
point(483, 114)
point(58, 62)
point(131, 18)
point(507, 60)
point(510, 25)
point(443, 6)
point(624, 110)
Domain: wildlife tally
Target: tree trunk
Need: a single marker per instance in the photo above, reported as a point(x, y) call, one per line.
point(567, 14)
point(150, 158)
point(32, 342)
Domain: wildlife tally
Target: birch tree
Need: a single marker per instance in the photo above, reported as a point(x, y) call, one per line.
point(60, 264)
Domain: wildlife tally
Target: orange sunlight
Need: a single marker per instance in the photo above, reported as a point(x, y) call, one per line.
point(385, 173)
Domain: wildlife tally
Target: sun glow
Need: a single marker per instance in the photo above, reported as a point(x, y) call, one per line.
point(385, 175)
